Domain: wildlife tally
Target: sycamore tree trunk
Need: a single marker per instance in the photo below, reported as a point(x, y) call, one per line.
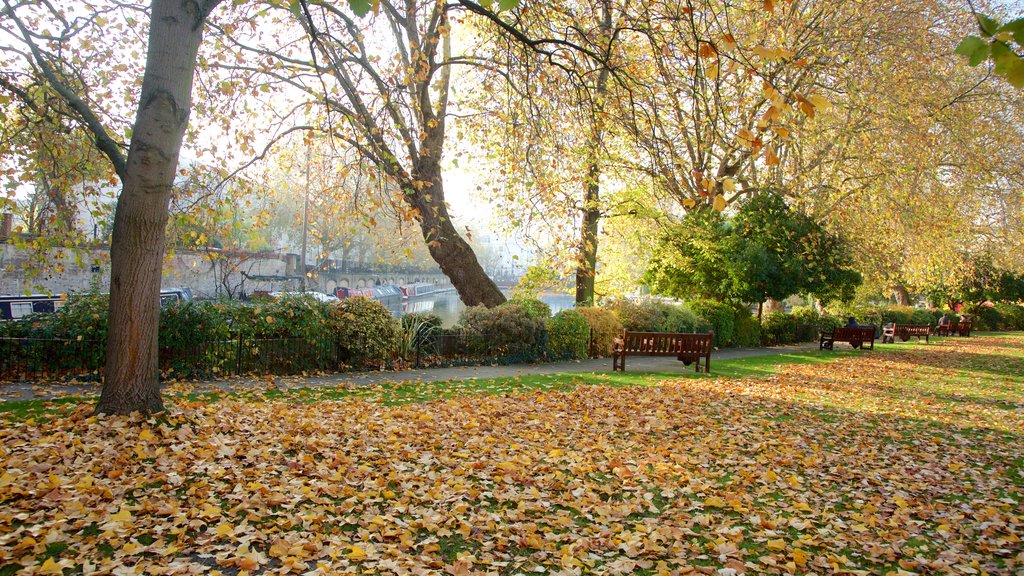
point(586, 269)
point(902, 296)
point(447, 247)
point(131, 380)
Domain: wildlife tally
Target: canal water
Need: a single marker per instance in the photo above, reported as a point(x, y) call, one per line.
point(447, 305)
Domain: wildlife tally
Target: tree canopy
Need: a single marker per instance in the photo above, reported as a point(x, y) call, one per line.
point(765, 250)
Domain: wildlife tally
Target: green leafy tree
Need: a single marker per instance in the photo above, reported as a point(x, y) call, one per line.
point(767, 250)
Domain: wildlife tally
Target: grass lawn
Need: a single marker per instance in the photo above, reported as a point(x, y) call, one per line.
point(905, 460)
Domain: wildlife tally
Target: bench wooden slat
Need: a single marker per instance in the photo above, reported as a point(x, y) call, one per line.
point(851, 335)
point(686, 347)
point(954, 328)
point(905, 331)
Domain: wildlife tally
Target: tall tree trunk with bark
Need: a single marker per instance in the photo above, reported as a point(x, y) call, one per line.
point(447, 247)
point(899, 291)
point(131, 380)
point(586, 270)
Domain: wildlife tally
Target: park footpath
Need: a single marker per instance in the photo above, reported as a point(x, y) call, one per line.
point(19, 391)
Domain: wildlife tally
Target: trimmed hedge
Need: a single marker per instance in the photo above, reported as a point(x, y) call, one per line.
point(534, 307)
point(366, 331)
point(568, 334)
point(720, 316)
point(506, 330)
point(604, 326)
point(641, 316)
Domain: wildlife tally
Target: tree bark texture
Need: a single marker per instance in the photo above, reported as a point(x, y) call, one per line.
point(902, 296)
point(447, 247)
point(131, 379)
point(586, 270)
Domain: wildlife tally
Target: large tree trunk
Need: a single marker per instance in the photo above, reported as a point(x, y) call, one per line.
point(900, 293)
point(586, 270)
point(131, 381)
point(447, 247)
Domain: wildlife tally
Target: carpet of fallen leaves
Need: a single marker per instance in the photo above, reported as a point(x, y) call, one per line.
point(904, 462)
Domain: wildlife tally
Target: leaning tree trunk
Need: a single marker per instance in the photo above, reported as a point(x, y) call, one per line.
point(901, 294)
point(447, 247)
point(132, 379)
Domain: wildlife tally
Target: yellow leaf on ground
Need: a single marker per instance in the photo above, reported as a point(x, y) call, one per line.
point(714, 501)
point(50, 567)
point(356, 554)
point(123, 515)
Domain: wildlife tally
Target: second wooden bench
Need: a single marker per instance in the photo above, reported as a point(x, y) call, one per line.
point(685, 347)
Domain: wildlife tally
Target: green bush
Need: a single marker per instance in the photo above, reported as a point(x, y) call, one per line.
point(778, 328)
point(983, 317)
point(896, 314)
point(83, 317)
point(1013, 316)
point(418, 330)
point(604, 326)
point(746, 330)
point(568, 334)
point(367, 333)
point(806, 324)
point(721, 317)
point(828, 322)
point(505, 330)
point(640, 316)
point(681, 319)
point(922, 316)
point(864, 315)
point(534, 308)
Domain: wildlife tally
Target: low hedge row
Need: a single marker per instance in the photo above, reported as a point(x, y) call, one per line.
point(366, 336)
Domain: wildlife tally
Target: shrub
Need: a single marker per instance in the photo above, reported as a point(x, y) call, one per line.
point(806, 324)
point(746, 331)
point(568, 334)
point(983, 317)
point(83, 317)
point(418, 330)
point(828, 322)
point(604, 326)
point(503, 330)
point(897, 314)
point(1013, 316)
point(366, 331)
point(922, 316)
point(778, 328)
point(721, 317)
point(864, 315)
point(533, 307)
point(681, 319)
point(641, 316)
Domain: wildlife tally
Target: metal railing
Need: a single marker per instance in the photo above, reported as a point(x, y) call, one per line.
point(23, 358)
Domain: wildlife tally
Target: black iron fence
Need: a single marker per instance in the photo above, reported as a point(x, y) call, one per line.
point(22, 358)
point(33, 357)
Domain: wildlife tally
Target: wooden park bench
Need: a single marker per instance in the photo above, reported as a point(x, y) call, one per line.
point(686, 347)
point(954, 328)
point(907, 331)
point(855, 336)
